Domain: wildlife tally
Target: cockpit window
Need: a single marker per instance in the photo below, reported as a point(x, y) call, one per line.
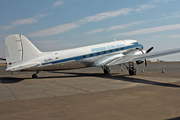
point(135, 43)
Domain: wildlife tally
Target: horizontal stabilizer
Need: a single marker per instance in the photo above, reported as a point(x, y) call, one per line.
point(23, 66)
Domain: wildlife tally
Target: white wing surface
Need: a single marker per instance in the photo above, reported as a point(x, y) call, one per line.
point(132, 58)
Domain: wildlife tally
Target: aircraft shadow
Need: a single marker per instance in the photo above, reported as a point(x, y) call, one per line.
point(6, 80)
point(113, 76)
point(177, 118)
point(116, 77)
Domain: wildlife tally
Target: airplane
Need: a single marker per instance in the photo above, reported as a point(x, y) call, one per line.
point(3, 59)
point(22, 55)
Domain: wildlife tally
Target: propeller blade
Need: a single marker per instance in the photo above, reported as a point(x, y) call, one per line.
point(148, 52)
point(145, 63)
point(149, 49)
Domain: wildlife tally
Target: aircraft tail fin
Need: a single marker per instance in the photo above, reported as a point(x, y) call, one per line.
point(19, 50)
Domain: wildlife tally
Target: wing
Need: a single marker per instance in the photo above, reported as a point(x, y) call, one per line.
point(108, 59)
point(156, 54)
point(120, 59)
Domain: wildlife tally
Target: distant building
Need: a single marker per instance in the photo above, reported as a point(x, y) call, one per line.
point(2, 61)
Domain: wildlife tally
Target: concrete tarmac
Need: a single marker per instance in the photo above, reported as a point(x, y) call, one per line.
point(88, 94)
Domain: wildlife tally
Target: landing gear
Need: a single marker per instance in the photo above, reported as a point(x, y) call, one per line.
point(131, 69)
point(106, 70)
point(35, 75)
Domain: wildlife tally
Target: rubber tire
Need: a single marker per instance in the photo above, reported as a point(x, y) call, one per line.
point(34, 76)
point(132, 71)
point(106, 71)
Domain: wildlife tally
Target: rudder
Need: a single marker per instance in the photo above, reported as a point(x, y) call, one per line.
point(19, 49)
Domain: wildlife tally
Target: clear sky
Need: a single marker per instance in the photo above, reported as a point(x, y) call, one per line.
point(61, 24)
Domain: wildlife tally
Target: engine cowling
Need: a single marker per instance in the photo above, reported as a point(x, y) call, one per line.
point(142, 52)
point(138, 52)
point(139, 62)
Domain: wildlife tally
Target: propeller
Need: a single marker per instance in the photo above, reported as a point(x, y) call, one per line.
point(149, 49)
point(148, 52)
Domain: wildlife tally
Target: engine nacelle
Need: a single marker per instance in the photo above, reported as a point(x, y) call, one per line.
point(139, 62)
point(138, 52)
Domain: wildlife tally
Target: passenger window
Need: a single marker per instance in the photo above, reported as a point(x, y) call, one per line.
point(98, 53)
point(104, 52)
point(110, 50)
point(122, 48)
point(91, 55)
point(116, 49)
point(84, 56)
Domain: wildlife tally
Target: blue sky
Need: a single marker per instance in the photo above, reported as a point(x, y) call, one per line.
point(61, 24)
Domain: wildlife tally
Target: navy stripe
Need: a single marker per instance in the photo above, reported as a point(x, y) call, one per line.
point(94, 54)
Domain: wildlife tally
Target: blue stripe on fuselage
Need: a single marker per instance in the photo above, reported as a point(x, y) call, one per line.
point(94, 54)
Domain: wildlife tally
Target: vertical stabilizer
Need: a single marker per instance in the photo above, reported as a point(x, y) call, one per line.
point(19, 49)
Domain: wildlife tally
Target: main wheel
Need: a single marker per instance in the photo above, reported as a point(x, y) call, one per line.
point(34, 76)
point(132, 71)
point(106, 70)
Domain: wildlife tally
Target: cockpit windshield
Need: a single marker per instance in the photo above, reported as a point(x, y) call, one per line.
point(136, 43)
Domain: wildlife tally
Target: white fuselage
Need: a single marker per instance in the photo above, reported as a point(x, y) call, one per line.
point(22, 55)
point(88, 56)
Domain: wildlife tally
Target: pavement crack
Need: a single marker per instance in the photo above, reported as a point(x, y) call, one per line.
point(54, 108)
point(67, 115)
point(12, 93)
point(76, 88)
point(71, 86)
